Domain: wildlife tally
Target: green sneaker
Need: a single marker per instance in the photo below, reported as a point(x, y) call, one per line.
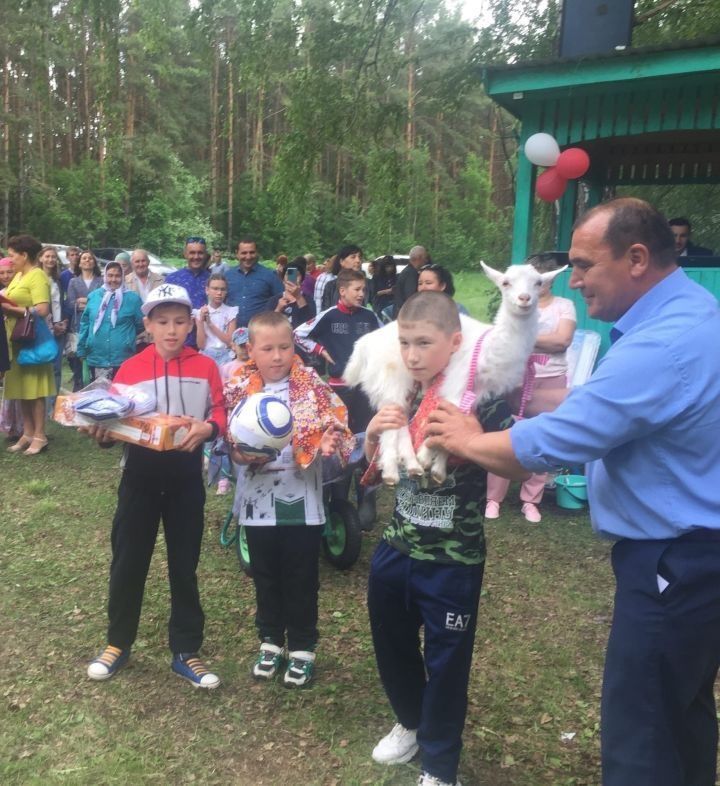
point(301, 666)
point(268, 661)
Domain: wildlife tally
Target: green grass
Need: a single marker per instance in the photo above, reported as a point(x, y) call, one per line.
point(472, 289)
point(543, 622)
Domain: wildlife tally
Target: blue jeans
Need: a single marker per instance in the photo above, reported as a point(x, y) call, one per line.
point(403, 595)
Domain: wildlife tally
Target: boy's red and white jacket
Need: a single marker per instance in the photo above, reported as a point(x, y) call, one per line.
point(188, 384)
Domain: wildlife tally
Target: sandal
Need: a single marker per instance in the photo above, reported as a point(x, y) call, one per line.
point(37, 446)
point(21, 444)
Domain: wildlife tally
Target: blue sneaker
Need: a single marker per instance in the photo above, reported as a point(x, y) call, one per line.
point(107, 663)
point(189, 666)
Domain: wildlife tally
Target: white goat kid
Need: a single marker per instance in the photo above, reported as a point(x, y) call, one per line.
point(376, 366)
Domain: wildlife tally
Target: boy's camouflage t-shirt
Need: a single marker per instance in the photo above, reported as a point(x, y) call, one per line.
point(445, 523)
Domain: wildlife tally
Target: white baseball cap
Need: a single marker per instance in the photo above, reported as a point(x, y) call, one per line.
point(166, 293)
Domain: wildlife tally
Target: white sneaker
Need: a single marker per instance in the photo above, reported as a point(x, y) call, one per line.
point(531, 513)
point(492, 509)
point(397, 747)
point(426, 779)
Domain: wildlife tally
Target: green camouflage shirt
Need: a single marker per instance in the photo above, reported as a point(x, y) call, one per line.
point(445, 523)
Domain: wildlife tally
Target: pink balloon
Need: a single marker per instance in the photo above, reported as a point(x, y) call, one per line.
point(572, 163)
point(549, 185)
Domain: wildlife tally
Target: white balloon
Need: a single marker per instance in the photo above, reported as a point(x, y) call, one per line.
point(542, 149)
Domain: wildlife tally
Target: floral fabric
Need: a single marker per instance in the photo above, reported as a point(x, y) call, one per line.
point(314, 406)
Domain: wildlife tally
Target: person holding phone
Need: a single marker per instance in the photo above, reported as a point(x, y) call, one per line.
point(292, 302)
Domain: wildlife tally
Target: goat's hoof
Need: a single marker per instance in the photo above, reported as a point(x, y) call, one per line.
point(415, 470)
point(437, 477)
point(391, 480)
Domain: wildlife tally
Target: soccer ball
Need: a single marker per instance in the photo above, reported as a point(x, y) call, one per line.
point(261, 426)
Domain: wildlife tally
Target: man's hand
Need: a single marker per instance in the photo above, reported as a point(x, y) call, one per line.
point(330, 441)
point(199, 431)
point(450, 429)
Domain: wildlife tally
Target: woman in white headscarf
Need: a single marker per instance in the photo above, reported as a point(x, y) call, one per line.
point(109, 325)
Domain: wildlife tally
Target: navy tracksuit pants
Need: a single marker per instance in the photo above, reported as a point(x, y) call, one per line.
point(426, 693)
point(659, 724)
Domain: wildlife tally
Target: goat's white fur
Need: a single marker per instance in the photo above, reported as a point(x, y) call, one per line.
point(376, 365)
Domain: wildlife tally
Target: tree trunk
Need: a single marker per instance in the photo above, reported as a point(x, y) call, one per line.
point(6, 151)
point(214, 142)
point(231, 151)
point(69, 155)
point(258, 154)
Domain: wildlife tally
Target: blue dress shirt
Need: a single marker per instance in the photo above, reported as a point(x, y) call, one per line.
point(194, 283)
point(647, 422)
point(251, 291)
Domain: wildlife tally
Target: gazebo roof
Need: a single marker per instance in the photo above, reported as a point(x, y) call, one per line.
point(645, 115)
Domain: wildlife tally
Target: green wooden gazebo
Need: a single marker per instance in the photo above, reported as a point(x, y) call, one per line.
point(645, 116)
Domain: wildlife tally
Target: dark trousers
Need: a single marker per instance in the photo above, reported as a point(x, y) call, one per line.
point(360, 411)
point(76, 366)
point(142, 503)
point(659, 726)
point(286, 574)
point(103, 372)
point(426, 693)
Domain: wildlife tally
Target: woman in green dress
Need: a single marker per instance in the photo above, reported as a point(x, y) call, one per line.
point(31, 385)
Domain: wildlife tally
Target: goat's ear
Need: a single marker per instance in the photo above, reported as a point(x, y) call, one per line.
point(494, 275)
point(546, 277)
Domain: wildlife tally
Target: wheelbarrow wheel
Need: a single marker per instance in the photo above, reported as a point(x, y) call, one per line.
point(342, 539)
point(243, 552)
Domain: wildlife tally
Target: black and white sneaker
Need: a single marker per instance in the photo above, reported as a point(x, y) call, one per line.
point(300, 670)
point(268, 661)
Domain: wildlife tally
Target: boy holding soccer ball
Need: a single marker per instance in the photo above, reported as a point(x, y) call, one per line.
point(279, 500)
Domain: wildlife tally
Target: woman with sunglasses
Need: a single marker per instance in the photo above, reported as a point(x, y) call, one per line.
point(436, 278)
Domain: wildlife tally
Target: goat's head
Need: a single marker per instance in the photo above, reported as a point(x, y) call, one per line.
point(520, 286)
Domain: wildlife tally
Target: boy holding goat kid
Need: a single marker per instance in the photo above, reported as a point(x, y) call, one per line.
point(428, 569)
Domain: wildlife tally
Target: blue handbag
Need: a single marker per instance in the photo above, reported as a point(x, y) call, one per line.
point(43, 350)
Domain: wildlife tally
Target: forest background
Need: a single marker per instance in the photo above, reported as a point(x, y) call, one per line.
point(306, 123)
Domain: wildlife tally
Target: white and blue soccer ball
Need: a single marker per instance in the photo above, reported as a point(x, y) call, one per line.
point(261, 425)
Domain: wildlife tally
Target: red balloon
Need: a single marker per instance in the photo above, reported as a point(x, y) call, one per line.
point(572, 163)
point(550, 186)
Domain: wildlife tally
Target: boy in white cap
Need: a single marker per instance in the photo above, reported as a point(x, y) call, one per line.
point(163, 485)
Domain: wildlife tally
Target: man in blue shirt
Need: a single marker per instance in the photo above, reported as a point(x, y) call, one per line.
point(194, 277)
point(648, 426)
point(250, 285)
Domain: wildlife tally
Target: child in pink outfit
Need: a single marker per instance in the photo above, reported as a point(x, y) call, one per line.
point(557, 327)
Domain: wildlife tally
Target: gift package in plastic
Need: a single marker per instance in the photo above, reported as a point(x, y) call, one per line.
point(126, 412)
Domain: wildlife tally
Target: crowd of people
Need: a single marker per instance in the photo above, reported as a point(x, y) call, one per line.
point(211, 335)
